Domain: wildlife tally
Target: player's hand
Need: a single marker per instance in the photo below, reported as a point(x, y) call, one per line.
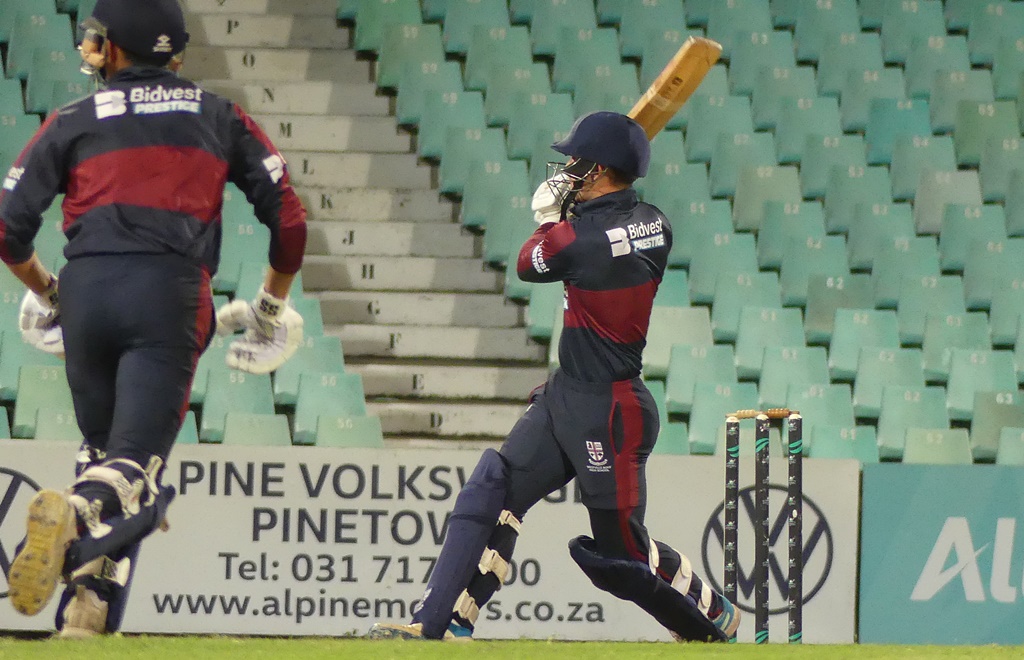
point(548, 198)
point(273, 332)
point(39, 320)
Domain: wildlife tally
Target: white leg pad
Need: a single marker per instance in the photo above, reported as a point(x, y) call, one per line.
point(467, 608)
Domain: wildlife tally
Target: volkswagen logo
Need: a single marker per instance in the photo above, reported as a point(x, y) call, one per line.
point(818, 549)
point(16, 489)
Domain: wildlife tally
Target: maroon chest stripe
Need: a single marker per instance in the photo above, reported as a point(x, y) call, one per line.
point(619, 315)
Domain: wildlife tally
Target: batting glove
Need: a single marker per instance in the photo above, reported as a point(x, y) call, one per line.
point(273, 332)
point(39, 320)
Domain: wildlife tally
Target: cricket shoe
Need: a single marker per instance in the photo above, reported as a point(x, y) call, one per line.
point(35, 572)
point(414, 631)
point(728, 619)
point(85, 615)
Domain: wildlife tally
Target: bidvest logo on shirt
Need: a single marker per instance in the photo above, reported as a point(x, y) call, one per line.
point(160, 99)
point(13, 176)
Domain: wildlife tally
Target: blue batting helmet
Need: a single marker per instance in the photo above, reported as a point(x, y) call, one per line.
point(152, 28)
point(610, 139)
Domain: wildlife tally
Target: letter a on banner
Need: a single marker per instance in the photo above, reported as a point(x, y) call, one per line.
point(954, 537)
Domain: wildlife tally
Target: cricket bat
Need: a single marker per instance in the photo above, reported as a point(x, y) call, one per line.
point(675, 84)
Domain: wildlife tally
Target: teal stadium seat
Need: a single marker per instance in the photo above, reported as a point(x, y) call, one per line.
point(889, 119)
point(508, 45)
point(733, 292)
point(521, 11)
point(531, 112)
point(959, 13)
point(933, 55)
point(826, 294)
point(801, 118)
point(761, 327)
point(462, 16)
point(785, 367)
point(735, 150)
point(989, 24)
point(935, 189)
point(847, 188)
point(787, 224)
point(609, 12)
point(420, 76)
point(913, 155)
point(443, 110)
point(39, 387)
point(921, 296)
point(878, 368)
point(846, 52)
point(855, 329)
point(758, 185)
point(905, 22)
point(988, 266)
point(835, 441)
point(325, 394)
point(1004, 313)
point(256, 430)
point(695, 225)
point(357, 431)
point(640, 18)
point(402, 43)
point(937, 447)
point(550, 16)
point(1007, 67)
point(505, 83)
point(801, 261)
point(901, 259)
point(711, 403)
point(1011, 447)
point(818, 24)
point(1000, 158)
point(755, 51)
point(993, 412)
point(904, 408)
point(971, 372)
point(491, 179)
point(464, 146)
point(945, 332)
point(373, 15)
point(732, 253)
point(976, 123)
point(861, 87)
point(823, 152)
point(689, 365)
point(35, 28)
point(771, 85)
point(660, 47)
point(726, 19)
point(229, 391)
point(316, 354)
point(949, 88)
point(48, 66)
point(712, 115)
point(606, 87)
point(579, 47)
point(963, 224)
point(821, 403)
point(669, 326)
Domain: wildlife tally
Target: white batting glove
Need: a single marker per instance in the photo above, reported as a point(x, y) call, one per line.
point(39, 320)
point(273, 332)
point(548, 198)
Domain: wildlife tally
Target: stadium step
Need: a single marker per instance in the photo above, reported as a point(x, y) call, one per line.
point(385, 308)
point(281, 64)
point(448, 419)
point(322, 8)
point(317, 169)
point(375, 205)
point(267, 31)
point(424, 381)
point(306, 98)
point(370, 273)
point(437, 342)
point(415, 239)
point(340, 134)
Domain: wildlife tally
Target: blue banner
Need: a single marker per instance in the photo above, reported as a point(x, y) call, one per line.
point(942, 555)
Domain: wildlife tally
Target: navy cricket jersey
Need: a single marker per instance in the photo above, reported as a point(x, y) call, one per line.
point(611, 253)
point(142, 165)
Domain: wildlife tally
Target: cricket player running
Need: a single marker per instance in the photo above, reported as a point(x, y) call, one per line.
point(142, 164)
point(610, 250)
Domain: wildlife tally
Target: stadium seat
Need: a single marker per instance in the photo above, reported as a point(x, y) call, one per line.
point(949, 88)
point(733, 253)
point(825, 256)
point(15, 132)
point(490, 179)
point(434, 11)
point(904, 408)
point(509, 45)
point(674, 290)
point(771, 85)
point(606, 87)
point(735, 290)
point(937, 447)
point(945, 332)
point(591, 47)
point(696, 224)
point(826, 294)
point(732, 151)
point(402, 43)
point(640, 18)
point(786, 366)
point(505, 83)
point(542, 155)
point(35, 28)
point(726, 19)
point(48, 66)
point(800, 118)
point(349, 431)
point(821, 403)
point(57, 424)
point(673, 439)
point(1004, 313)
point(959, 13)
point(530, 113)
point(846, 52)
point(993, 412)
point(669, 326)
point(861, 87)
point(711, 403)
point(988, 25)
point(1014, 205)
point(905, 22)
point(443, 110)
point(462, 16)
point(506, 230)
point(787, 224)
point(756, 51)
point(901, 259)
point(550, 16)
point(233, 391)
point(675, 189)
point(316, 354)
point(976, 123)
point(11, 103)
point(758, 185)
point(823, 152)
point(977, 371)
point(15, 354)
point(712, 115)
point(933, 55)
point(889, 119)
point(521, 11)
point(849, 187)
point(420, 76)
point(1007, 67)
point(546, 301)
point(836, 441)
point(188, 434)
point(963, 224)
point(761, 327)
point(855, 329)
point(325, 394)
point(989, 265)
point(912, 155)
point(921, 296)
point(1000, 158)
point(689, 365)
point(373, 15)
point(818, 24)
point(935, 189)
point(878, 368)
point(9, 11)
point(609, 12)
point(38, 387)
point(256, 430)
point(462, 147)
point(1011, 447)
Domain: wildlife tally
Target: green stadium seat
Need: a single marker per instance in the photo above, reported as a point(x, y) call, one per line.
point(937, 447)
point(244, 240)
point(848, 187)
point(878, 368)
point(889, 119)
point(688, 365)
point(48, 66)
point(606, 87)
point(756, 51)
point(373, 15)
point(787, 224)
point(873, 223)
point(1000, 158)
point(1007, 67)
point(657, 390)
point(1011, 447)
point(312, 316)
point(905, 408)
point(761, 327)
point(945, 332)
point(993, 412)
point(507, 229)
point(784, 367)
point(532, 112)
point(550, 16)
point(674, 290)
point(821, 403)
point(541, 155)
point(989, 265)
point(681, 187)
point(35, 28)
point(697, 224)
point(506, 82)
point(1014, 205)
point(325, 394)
point(773, 84)
point(443, 110)
point(935, 189)
point(462, 147)
point(912, 155)
point(959, 13)
point(976, 123)
point(905, 22)
point(518, 290)
point(579, 47)
point(698, 11)
point(855, 329)
point(988, 25)
point(801, 118)
point(349, 431)
point(826, 294)
point(232, 391)
point(669, 326)
point(491, 179)
point(316, 354)
point(824, 256)
point(758, 185)
point(640, 18)
point(732, 253)
point(963, 224)
point(921, 296)
point(933, 56)
point(836, 441)
point(347, 10)
point(950, 88)
point(9, 11)
point(15, 132)
point(521, 11)
point(673, 440)
point(823, 152)
point(15, 354)
point(39, 387)
point(546, 301)
point(846, 52)
point(734, 150)
point(784, 12)
point(734, 291)
point(609, 12)
point(819, 23)
point(420, 76)
point(462, 16)
point(901, 259)
point(508, 45)
point(863, 86)
point(726, 19)
point(977, 371)
point(402, 43)
point(434, 11)
point(660, 47)
point(57, 424)
point(668, 159)
point(1004, 313)
point(11, 103)
point(256, 430)
point(188, 434)
point(712, 115)
point(711, 403)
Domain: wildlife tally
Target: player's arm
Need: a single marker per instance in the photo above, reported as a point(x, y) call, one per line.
point(546, 255)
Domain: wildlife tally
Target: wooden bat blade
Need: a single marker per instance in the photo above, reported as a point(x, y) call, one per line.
point(675, 84)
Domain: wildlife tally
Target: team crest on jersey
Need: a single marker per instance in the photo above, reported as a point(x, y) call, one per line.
point(597, 462)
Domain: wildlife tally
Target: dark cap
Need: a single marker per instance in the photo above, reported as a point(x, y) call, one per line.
point(154, 29)
point(610, 139)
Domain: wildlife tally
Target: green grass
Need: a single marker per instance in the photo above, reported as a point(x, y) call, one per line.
point(195, 648)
